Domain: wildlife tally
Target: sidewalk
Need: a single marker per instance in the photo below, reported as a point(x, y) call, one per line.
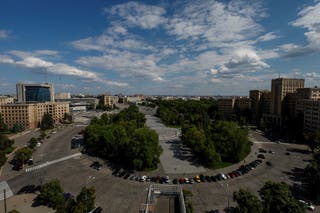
point(23, 204)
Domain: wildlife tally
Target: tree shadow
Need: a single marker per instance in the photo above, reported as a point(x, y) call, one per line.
point(301, 151)
point(296, 174)
point(212, 211)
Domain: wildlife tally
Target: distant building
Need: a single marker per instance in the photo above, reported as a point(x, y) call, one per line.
point(34, 93)
point(62, 96)
point(280, 87)
point(242, 103)
point(108, 100)
point(226, 106)
point(6, 100)
point(30, 115)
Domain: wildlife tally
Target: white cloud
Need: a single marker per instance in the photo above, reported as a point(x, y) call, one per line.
point(138, 14)
point(216, 22)
point(309, 19)
point(268, 37)
point(4, 34)
point(26, 60)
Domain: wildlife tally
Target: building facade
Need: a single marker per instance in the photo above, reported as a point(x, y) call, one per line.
point(29, 116)
point(280, 87)
point(310, 109)
point(6, 100)
point(62, 96)
point(108, 100)
point(260, 103)
point(226, 106)
point(34, 93)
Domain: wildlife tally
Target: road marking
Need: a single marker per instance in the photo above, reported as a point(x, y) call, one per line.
point(52, 162)
point(4, 186)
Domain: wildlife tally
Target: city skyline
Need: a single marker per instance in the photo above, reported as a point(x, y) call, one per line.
point(159, 47)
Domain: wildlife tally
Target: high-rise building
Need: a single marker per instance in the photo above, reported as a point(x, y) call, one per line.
point(310, 109)
point(34, 93)
point(280, 87)
point(62, 96)
point(260, 103)
point(108, 100)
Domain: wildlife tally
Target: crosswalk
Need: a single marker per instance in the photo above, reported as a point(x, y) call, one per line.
point(30, 169)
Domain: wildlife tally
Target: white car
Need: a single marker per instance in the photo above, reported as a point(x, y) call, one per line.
point(143, 178)
point(186, 180)
point(308, 205)
point(38, 144)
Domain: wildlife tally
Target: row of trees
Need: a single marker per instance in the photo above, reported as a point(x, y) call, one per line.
point(51, 194)
point(5, 148)
point(275, 197)
point(123, 138)
point(215, 141)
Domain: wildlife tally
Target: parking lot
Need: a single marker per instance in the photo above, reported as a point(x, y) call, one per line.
point(119, 194)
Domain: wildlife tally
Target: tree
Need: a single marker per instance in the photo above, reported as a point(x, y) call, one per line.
point(17, 128)
point(3, 126)
point(47, 122)
point(86, 199)
point(247, 202)
point(32, 143)
point(5, 142)
point(277, 197)
point(312, 174)
point(23, 154)
point(51, 194)
point(67, 118)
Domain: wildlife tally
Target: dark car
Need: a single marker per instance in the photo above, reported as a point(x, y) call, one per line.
point(261, 156)
point(175, 181)
point(202, 178)
point(213, 178)
point(262, 150)
point(208, 179)
point(269, 163)
point(96, 165)
point(18, 165)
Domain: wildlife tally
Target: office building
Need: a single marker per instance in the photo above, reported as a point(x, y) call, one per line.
point(30, 115)
point(34, 93)
point(280, 87)
point(242, 103)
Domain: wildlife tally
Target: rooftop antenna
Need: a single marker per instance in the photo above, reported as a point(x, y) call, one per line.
point(279, 74)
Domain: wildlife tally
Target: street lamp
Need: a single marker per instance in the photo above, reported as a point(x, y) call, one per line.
point(90, 178)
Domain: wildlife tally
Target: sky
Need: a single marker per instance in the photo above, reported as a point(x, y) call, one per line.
point(183, 47)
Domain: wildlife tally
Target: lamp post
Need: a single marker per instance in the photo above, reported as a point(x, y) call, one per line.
point(90, 178)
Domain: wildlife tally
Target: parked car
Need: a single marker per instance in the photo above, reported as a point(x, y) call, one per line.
point(96, 165)
point(269, 163)
point(186, 180)
point(197, 179)
point(223, 176)
point(143, 178)
point(181, 180)
point(261, 156)
point(308, 205)
point(262, 150)
point(175, 181)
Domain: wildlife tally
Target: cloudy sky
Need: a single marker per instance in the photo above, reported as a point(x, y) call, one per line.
point(209, 47)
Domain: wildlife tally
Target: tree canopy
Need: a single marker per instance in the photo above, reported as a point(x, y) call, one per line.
point(46, 122)
point(312, 174)
point(23, 154)
point(275, 197)
point(123, 138)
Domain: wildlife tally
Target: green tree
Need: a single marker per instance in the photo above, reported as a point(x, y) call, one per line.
point(17, 128)
point(5, 142)
point(277, 197)
point(51, 194)
point(247, 202)
point(312, 174)
point(47, 122)
point(67, 118)
point(86, 199)
point(23, 154)
point(32, 143)
point(3, 126)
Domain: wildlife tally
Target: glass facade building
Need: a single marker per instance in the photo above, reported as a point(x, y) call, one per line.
point(37, 94)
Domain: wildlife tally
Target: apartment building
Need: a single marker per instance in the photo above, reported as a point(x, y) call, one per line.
point(30, 115)
point(108, 100)
point(260, 103)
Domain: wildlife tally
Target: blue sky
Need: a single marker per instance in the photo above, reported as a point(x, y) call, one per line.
point(197, 47)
